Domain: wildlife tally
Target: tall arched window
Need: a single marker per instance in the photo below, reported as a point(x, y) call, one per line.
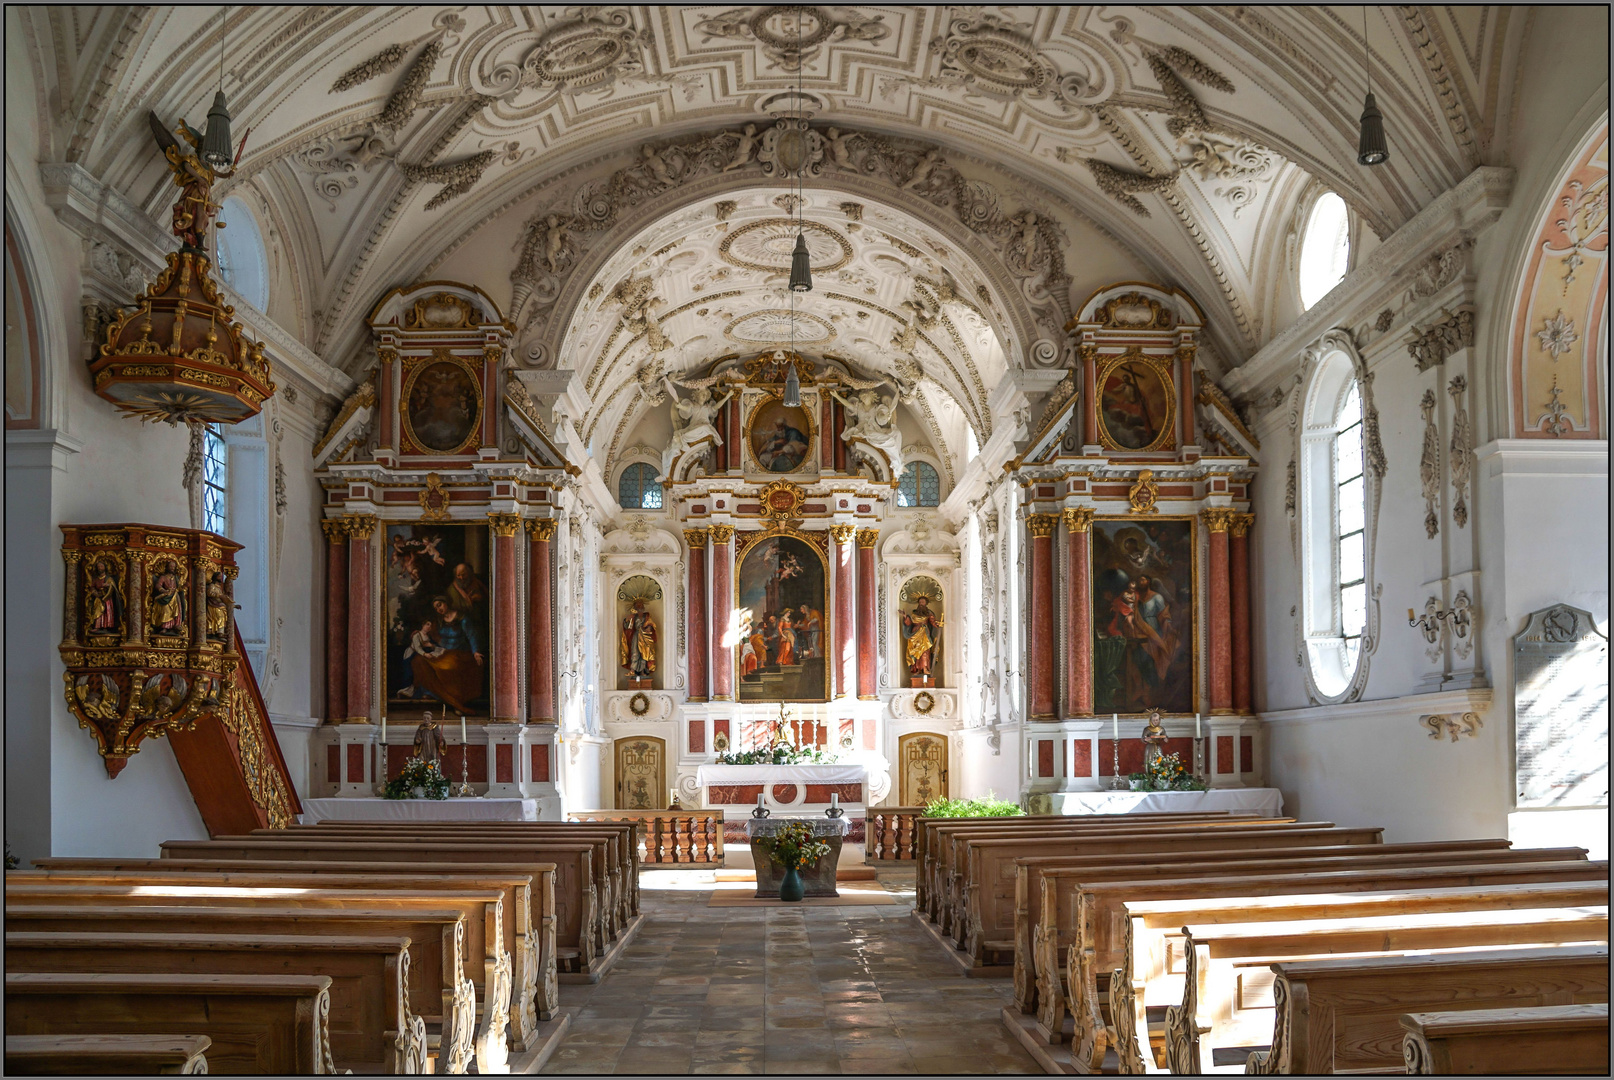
point(215, 481)
point(638, 488)
point(1325, 248)
point(1334, 519)
point(243, 262)
point(919, 485)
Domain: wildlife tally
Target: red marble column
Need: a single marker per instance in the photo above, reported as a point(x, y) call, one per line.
point(361, 617)
point(1089, 358)
point(722, 612)
point(1221, 642)
point(1079, 639)
point(699, 637)
point(736, 450)
point(1239, 545)
point(1185, 382)
point(840, 444)
point(336, 586)
point(841, 661)
point(540, 622)
point(506, 658)
point(826, 427)
point(867, 670)
point(1040, 639)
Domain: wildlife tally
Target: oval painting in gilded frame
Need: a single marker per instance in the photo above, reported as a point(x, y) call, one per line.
point(781, 436)
point(1135, 405)
point(442, 406)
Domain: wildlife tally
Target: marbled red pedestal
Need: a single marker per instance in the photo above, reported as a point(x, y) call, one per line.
point(1240, 584)
point(336, 586)
point(506, 639)
point(1041, 639)
point(699, 638)
point(1221, 643)
point(540, 623)
point(359, 619)
point(866, 671)
point(722, 612)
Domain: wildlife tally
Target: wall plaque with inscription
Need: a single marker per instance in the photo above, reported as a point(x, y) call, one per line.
point(1560, 708)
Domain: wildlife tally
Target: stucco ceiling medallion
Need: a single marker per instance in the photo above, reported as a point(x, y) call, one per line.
point(766, 245)
point(778, 326)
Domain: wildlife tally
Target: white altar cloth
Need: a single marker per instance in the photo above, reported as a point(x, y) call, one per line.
point(781, 774)
point(369, 809)
point(1267, 802)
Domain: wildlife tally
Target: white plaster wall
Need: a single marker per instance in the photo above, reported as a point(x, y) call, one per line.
point(980, 770)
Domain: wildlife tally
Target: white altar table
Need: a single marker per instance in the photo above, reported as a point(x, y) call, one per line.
point(783, 787)
point(1265, 802)
point(316, 810)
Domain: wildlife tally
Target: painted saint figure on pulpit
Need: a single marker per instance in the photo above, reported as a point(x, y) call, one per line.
point(637, 646)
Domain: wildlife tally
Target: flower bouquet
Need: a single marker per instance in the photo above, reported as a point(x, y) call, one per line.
point(1166, 773)
point(419, 780)
point(781, 753)
point(795, 848)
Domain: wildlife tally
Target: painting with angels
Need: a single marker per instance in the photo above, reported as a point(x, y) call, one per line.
point(782, 622)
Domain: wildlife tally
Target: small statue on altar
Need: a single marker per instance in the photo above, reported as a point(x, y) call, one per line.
point(431, 746)
point(1154, 739)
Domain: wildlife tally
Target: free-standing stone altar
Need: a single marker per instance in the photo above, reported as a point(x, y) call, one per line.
point(818, 879)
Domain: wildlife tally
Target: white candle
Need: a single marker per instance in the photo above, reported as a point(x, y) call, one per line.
point(462, 731)
point(1115, 726)
point(835, 798)
point(383, 729)
point(1196, 725)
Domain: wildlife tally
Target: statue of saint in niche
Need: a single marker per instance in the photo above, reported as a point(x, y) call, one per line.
point(637, 646)
point(921, 630)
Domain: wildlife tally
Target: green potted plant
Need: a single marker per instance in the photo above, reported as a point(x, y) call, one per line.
point(795, 848)
point(418, 780)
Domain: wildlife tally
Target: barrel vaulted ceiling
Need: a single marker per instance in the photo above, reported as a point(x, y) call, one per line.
point(605, 172)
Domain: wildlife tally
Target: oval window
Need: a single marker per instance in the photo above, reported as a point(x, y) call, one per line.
point(243, 262)
point(1325, 250)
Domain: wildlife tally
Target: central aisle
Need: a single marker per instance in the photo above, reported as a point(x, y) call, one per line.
point(855, 989)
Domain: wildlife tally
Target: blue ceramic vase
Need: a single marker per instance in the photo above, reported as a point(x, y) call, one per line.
point(791, 887)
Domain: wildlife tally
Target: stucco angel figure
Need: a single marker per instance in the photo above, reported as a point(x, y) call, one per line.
point(873, 421)
point(692, 420)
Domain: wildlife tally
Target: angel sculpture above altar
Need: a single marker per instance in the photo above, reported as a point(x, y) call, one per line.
point(872, 421)
point(692, 419)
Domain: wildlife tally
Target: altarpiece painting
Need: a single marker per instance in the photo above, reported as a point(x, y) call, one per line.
point(1143, 615)
point(438, 650)
point(783, 621)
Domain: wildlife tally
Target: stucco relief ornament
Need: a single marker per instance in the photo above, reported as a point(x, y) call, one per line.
point(792, 35)
point(1240, 164)
point(1429, 464)
point(1144, 494)
point(995, 56)
point(1462, 450)
point(1558, 335)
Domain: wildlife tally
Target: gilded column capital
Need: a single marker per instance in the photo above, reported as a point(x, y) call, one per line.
point(696, 537)
point(722, 534)
point(541, 529)
point(504, 524)
point(1079, 519)
point(335, 529)
point(1239, 524)
point(1216, 518)
point(359, 526)
point(1042, 524)
point(842, 534)
point(867, 538)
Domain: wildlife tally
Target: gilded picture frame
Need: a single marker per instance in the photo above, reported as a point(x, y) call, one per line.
point(440, 404)
point(1128, 646)
point(1137, 402)
point(751, 590)
point(772, 409)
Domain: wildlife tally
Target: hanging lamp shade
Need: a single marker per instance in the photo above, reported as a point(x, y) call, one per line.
point(217, 149)
point(801, 270)
point(1371, 149)
point(792, 386)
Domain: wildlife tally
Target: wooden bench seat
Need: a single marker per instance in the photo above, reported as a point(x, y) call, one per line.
point(1211, 1016)
point(1556, 1040)
point(985, 886)
point(1344, 1015)
point(257, 1024)
point(529, 934)
point(1044, 909)
point(106, 1055)
point(578, 924)
point(371, 1027)
point(1093, 935)
point(438, 988)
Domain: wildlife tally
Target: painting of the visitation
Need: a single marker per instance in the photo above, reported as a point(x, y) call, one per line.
point(1135, 404)
point(442, 406)
point(783, 634)
point(1143, 615)
point(438, 651)
point(779, 439)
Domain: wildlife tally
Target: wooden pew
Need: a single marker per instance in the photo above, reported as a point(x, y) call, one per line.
point(1087, 901)
point(486, 963)
point(257, 1024)
point(529, 904)
point(956, 878)
point(437, 937)
point(1344, 1014)
point(1044, 914)
point(106, 1055)
point(371, 1027)
point(927, 883)
point(1209, 1017)
point(986, 880)
point(577, 921)
point(1556, 1040)
point(615, 878)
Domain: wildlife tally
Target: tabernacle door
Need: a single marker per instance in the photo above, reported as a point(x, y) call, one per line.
point(923, 761)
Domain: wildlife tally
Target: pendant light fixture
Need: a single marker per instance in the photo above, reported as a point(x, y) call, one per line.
point(1371, 149)
point(217, 148)
point(801, 270)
